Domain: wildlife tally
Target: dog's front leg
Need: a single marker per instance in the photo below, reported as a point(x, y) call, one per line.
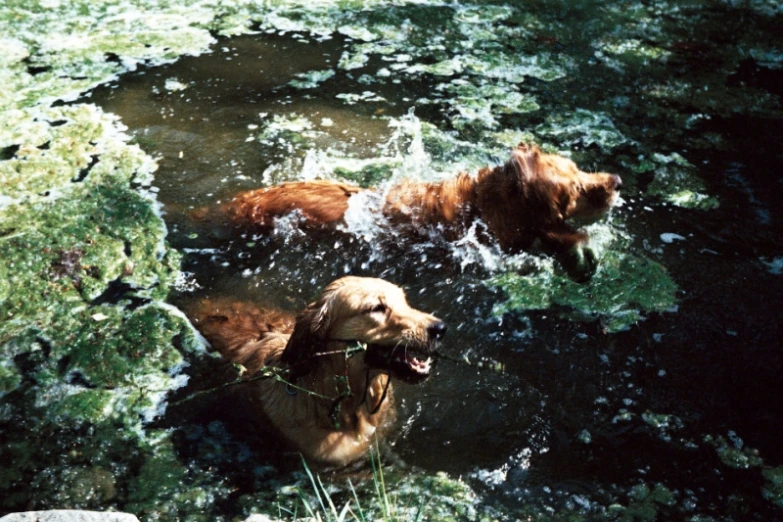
point(571, 249)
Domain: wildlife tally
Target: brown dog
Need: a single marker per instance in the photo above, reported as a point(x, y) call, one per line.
point(523, 203)
point(328, 390)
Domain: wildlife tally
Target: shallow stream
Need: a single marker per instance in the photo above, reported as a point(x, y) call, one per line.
point(648, 392)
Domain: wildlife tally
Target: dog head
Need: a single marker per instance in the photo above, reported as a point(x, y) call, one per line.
point(373, 313)
point(557, 183)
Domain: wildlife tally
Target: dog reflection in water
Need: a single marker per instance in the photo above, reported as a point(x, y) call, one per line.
point(330, 370)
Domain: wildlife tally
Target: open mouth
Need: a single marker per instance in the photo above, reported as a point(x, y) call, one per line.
point(407, 364)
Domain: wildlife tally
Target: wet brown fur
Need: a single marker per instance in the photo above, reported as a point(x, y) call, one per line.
point(351, 400)
point(318, 201)
point(528, 199)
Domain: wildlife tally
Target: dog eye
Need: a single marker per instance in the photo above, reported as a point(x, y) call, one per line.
point(380, 308)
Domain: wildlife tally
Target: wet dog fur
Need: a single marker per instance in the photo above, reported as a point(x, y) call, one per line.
point(330, 391)
point(525, 203)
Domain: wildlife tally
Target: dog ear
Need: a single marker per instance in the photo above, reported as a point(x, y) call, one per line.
point(309, 334)
point(540, 192)
point(525, 160)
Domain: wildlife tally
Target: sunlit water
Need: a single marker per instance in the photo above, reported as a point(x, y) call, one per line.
point(528, 405)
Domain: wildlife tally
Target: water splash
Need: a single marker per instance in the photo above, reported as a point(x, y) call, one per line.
point(408, 143)
point(410, 159)
point(364, 218)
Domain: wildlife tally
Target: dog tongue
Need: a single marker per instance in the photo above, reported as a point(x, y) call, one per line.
point(418, 365)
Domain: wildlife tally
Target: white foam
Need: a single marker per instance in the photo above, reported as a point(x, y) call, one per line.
point(670, 237)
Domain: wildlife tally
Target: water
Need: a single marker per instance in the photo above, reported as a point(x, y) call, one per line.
point(539, 405)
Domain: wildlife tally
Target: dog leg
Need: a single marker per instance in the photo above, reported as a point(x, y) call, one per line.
point(580, 262)
point(570, 248)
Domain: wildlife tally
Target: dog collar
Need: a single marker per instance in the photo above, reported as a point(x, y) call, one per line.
point(352, 346)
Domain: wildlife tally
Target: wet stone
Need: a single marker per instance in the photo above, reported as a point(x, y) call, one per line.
point(65, 515)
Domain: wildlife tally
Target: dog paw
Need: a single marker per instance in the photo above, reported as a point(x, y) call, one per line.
point(580, 263)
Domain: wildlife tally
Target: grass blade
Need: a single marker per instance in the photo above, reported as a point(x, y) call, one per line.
point(315, 488)
point(328, 498)
point(380, 485)
point(360, 518)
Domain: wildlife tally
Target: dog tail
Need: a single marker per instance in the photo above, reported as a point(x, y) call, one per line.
point(242, 332)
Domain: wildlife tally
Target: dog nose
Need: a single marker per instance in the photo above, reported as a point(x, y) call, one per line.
point(618, 182)
point(437, 330)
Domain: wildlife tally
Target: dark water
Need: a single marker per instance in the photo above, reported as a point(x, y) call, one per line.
point(714, 363)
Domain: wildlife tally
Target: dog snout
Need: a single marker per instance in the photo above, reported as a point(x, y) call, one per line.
point(618, 182)
point(437, 330)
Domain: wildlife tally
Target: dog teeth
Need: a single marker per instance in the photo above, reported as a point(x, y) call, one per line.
point(420, 366)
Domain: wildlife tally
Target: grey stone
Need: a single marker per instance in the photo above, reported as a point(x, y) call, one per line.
point(69, 515)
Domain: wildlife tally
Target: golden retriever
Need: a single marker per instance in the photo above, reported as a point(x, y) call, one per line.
point(328, 389)
point(526, 202)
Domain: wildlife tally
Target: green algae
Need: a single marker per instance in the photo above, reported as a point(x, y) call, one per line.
point(482, 78)
point(59, 145)
point(166, 489)
point(140, 348)
point(446, 499)
point(585, 128)
point(10, 377)
point(515, 68)
point(773, 489)
point(733, 453)
point(448, 67)
point(76, 404)
point(370, 174)
point(771, 58)
point(634, 51)
point(67, 44)
point(356, 60)
point(676, 181)
point(72, 291)
point(483, 104)
point(624, 288)
point(366, 96)
point(70, 247)
point(290, 129)
point(84, 485)
point(68, 467)
point(86, 340)
point(311, 79)
point(645, 503)
point(510, 138)
point(663, 423)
